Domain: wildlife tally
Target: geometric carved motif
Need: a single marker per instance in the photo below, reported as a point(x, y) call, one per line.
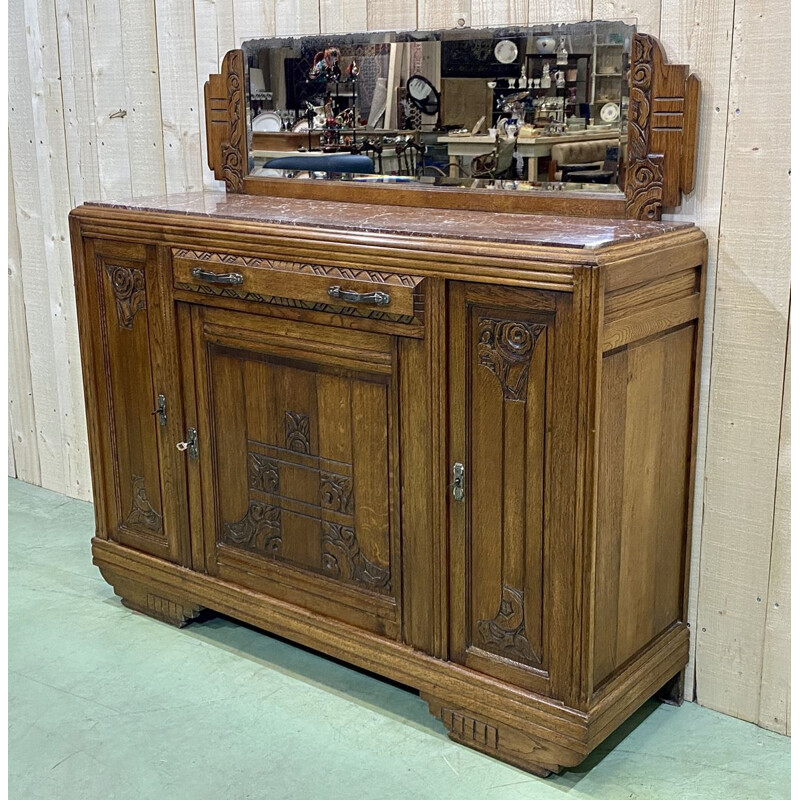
point(297, 432)
point(304, 268)
point(645, 188)
point(465, 728)
point(261, 529)
point(662, 130)
point(342, 558)
point(336, 492)
point(233, 160)
point(505, 348)
point(645, 181)
point(127, 285)
point(263, 473)
point(142, 513)
point(505, 634)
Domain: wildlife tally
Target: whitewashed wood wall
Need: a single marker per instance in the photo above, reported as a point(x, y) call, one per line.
point(105, 101)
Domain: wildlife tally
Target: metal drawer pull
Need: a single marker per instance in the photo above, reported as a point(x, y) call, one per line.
point(374, 298)
point(233, 278)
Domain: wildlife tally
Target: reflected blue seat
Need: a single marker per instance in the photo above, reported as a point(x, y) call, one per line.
point(335, 162)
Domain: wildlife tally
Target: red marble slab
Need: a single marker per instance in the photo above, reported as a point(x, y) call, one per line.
point(530, 229)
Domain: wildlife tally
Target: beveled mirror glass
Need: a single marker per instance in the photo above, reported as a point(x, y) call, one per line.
point(507, 109)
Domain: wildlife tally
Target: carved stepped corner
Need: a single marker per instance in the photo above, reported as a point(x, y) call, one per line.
point(662, 130)
point(151, 601)
point(499, 740)
point(226, 135)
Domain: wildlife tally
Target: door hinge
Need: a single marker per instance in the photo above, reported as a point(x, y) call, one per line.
point(161, 410)
point(458, 481)
point(190, 445)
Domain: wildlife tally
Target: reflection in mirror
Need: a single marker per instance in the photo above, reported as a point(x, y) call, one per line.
point(508, 109)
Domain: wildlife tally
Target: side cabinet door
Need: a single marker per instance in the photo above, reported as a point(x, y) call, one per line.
point(298, 458)
point(129, 336)
point(511, 577)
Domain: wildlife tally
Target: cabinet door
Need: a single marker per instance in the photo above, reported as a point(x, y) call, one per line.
point(298, 458)
point(129, 346)
point(509, 427)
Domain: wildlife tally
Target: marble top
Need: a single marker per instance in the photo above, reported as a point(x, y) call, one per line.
point(526, 229)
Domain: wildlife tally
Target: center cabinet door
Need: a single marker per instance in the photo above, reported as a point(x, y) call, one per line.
point(511, 426)
point(298, 455)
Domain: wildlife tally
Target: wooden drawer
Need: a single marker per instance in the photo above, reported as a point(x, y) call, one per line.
point(316, 287)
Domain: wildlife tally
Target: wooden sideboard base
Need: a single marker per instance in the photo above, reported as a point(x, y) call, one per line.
point(530, 731)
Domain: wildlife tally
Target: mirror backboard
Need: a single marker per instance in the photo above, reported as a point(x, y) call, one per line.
point(508, 109)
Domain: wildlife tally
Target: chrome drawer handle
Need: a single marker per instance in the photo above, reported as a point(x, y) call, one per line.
point(373, 298)
point(233, 278)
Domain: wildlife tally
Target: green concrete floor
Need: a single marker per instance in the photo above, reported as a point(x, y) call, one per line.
point(106, 703)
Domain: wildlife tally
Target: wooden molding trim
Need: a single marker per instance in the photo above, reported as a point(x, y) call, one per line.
point(662, 130)
point(573, 204)
point(226, 137)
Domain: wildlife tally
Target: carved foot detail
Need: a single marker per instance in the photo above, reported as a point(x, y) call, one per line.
point(500, 740)
point(163, 609)
point(153, 603)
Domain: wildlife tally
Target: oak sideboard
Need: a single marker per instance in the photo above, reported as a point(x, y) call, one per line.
point(455, 448)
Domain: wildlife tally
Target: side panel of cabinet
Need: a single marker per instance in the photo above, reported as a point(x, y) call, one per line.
point(643, 489)
point(299, 463)
point(511, 425)
point(129, 359)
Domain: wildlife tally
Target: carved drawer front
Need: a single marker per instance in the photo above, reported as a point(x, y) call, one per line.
point(301, 420)
point(502, 366)
point(355, 291)
point(138, 491)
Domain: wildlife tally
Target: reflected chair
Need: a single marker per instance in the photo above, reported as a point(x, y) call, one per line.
point(585, 162)
point(410, 157)
point(497, 163)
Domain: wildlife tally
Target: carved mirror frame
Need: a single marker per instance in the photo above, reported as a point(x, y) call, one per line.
point(662, 137)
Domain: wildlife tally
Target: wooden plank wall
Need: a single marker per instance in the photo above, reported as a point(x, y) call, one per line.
point(106, 102)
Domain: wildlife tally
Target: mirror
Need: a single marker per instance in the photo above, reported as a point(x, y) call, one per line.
point(510, 109)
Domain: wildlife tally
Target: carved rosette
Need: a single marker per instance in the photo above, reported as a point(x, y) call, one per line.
point(336, 492)
point(342, 558)
point(505, 634)
point(297, 432)
point(263, 473)
point(645, 188)
point(505, 348)
point(142, 513)
point(259, 529)
point(127, 285)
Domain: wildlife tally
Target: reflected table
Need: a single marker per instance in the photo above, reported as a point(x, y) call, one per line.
point(530, 148)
